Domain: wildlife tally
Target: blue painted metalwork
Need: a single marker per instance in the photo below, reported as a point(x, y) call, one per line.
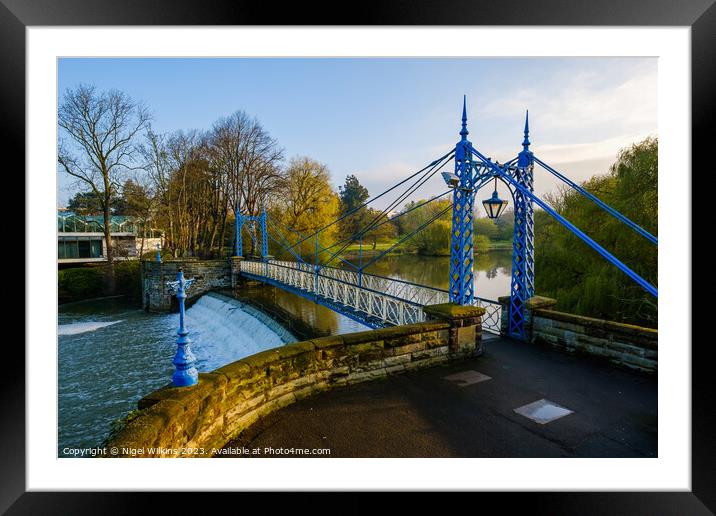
point(264, 237)
point(185, 373)
point(239, 239)
point(260, 220)
point(472, 171)
point(159, 253)
point(378, 302)
point(409, 236)
point(651, 238)
point(651, 289)
point(434, 164)
point(461, 250)
point(523, 274)
point(289, 247)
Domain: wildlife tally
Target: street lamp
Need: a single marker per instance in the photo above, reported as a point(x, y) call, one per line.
point(184, 360)
point(159, 253)
point(494, 206)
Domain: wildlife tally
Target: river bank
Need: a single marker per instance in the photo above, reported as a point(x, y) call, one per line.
point(83, 283)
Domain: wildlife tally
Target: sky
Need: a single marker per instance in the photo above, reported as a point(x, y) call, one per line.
point(383, 119)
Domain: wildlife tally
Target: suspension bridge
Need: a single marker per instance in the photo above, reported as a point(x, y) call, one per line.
point(328, 278)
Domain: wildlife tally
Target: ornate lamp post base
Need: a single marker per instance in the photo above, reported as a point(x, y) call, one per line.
point(184, 360)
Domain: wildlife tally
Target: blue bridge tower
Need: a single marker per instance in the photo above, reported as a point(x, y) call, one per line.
point(461, 245)
point(523, 263)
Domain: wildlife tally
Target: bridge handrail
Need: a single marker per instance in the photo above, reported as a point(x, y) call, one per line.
point(365, 283)
point(310, 269)
point(280, 263)
point(403, 311)
point(438, 289)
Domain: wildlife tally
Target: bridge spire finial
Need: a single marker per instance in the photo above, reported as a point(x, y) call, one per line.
point(526, 142)
point(464, 132)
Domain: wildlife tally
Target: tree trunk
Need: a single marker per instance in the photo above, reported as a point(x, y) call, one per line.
point(109, 276)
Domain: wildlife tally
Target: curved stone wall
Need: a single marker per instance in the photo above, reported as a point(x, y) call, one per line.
point(206, 416)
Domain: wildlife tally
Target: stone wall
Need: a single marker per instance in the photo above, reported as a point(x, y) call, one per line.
point(623, 344)
point(228, 400)
point(208, 274)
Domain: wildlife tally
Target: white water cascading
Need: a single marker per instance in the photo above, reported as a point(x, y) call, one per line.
point(224, 330)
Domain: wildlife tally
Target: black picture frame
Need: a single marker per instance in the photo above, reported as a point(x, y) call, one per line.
point(700, 15)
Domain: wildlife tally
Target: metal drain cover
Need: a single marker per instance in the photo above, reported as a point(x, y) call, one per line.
point(542, 411)
point(467, 378)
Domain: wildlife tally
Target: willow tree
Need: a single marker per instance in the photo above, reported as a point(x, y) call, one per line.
point(97, 146)
point(306, 202)
point(578, 277)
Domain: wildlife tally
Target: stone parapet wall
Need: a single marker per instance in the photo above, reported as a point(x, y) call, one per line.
point(208, 274)
point(230, 399)
point(626, 345)
point(630, 346)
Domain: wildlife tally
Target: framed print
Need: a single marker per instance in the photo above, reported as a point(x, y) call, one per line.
point(415, 252)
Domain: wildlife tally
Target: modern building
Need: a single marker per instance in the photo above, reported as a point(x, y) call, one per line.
point(80, 239)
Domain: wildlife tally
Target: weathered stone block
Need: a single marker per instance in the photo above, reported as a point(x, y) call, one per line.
point(450, 311)
point(399, 359)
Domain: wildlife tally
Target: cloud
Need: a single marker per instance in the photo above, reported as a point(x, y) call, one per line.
point(582, 101)
point(577, 152)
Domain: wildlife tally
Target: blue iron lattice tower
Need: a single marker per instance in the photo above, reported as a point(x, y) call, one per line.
point(523, 272)
point(461, 251)
point(259, 222)
point(239, 240)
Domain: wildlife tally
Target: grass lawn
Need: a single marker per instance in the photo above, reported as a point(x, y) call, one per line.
point(368, 246)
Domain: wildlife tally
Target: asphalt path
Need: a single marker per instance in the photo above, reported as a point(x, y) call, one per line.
point(457, 411)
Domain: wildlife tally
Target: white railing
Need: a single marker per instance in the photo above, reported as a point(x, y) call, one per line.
point(375, 298)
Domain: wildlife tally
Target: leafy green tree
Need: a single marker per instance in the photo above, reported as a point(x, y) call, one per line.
point(486, 228)
point(433, 240)
point(353, 194)
point(505, 224)
point(86, 203)
point(382, 230)
point(577, 276)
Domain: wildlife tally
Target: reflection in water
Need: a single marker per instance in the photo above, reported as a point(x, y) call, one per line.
point(492, 271)
point(301, 316)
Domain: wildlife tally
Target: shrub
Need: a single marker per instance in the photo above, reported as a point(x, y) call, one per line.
point(80, 283)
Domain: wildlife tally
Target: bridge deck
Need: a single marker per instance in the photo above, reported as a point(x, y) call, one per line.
point(375, 301)
point(426, 414)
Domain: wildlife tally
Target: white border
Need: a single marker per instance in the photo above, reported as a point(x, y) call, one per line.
point(670, 471)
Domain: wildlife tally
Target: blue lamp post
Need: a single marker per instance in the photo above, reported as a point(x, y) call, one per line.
point(159, 253)
point(184, 360)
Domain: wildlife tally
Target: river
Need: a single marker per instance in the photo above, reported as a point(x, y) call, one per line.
point(110, 354)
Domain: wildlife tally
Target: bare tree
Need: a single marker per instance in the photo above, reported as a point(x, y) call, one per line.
point(248, 159)
point(158, 165)
point(97, 145)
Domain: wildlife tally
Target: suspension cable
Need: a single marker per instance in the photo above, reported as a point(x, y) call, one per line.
point(395, 217)
point(366, 203)
point(600, 203)
point(322, 248)
point(583, 236)
point(594, 245)
point(408, 236)
point(373, 223)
